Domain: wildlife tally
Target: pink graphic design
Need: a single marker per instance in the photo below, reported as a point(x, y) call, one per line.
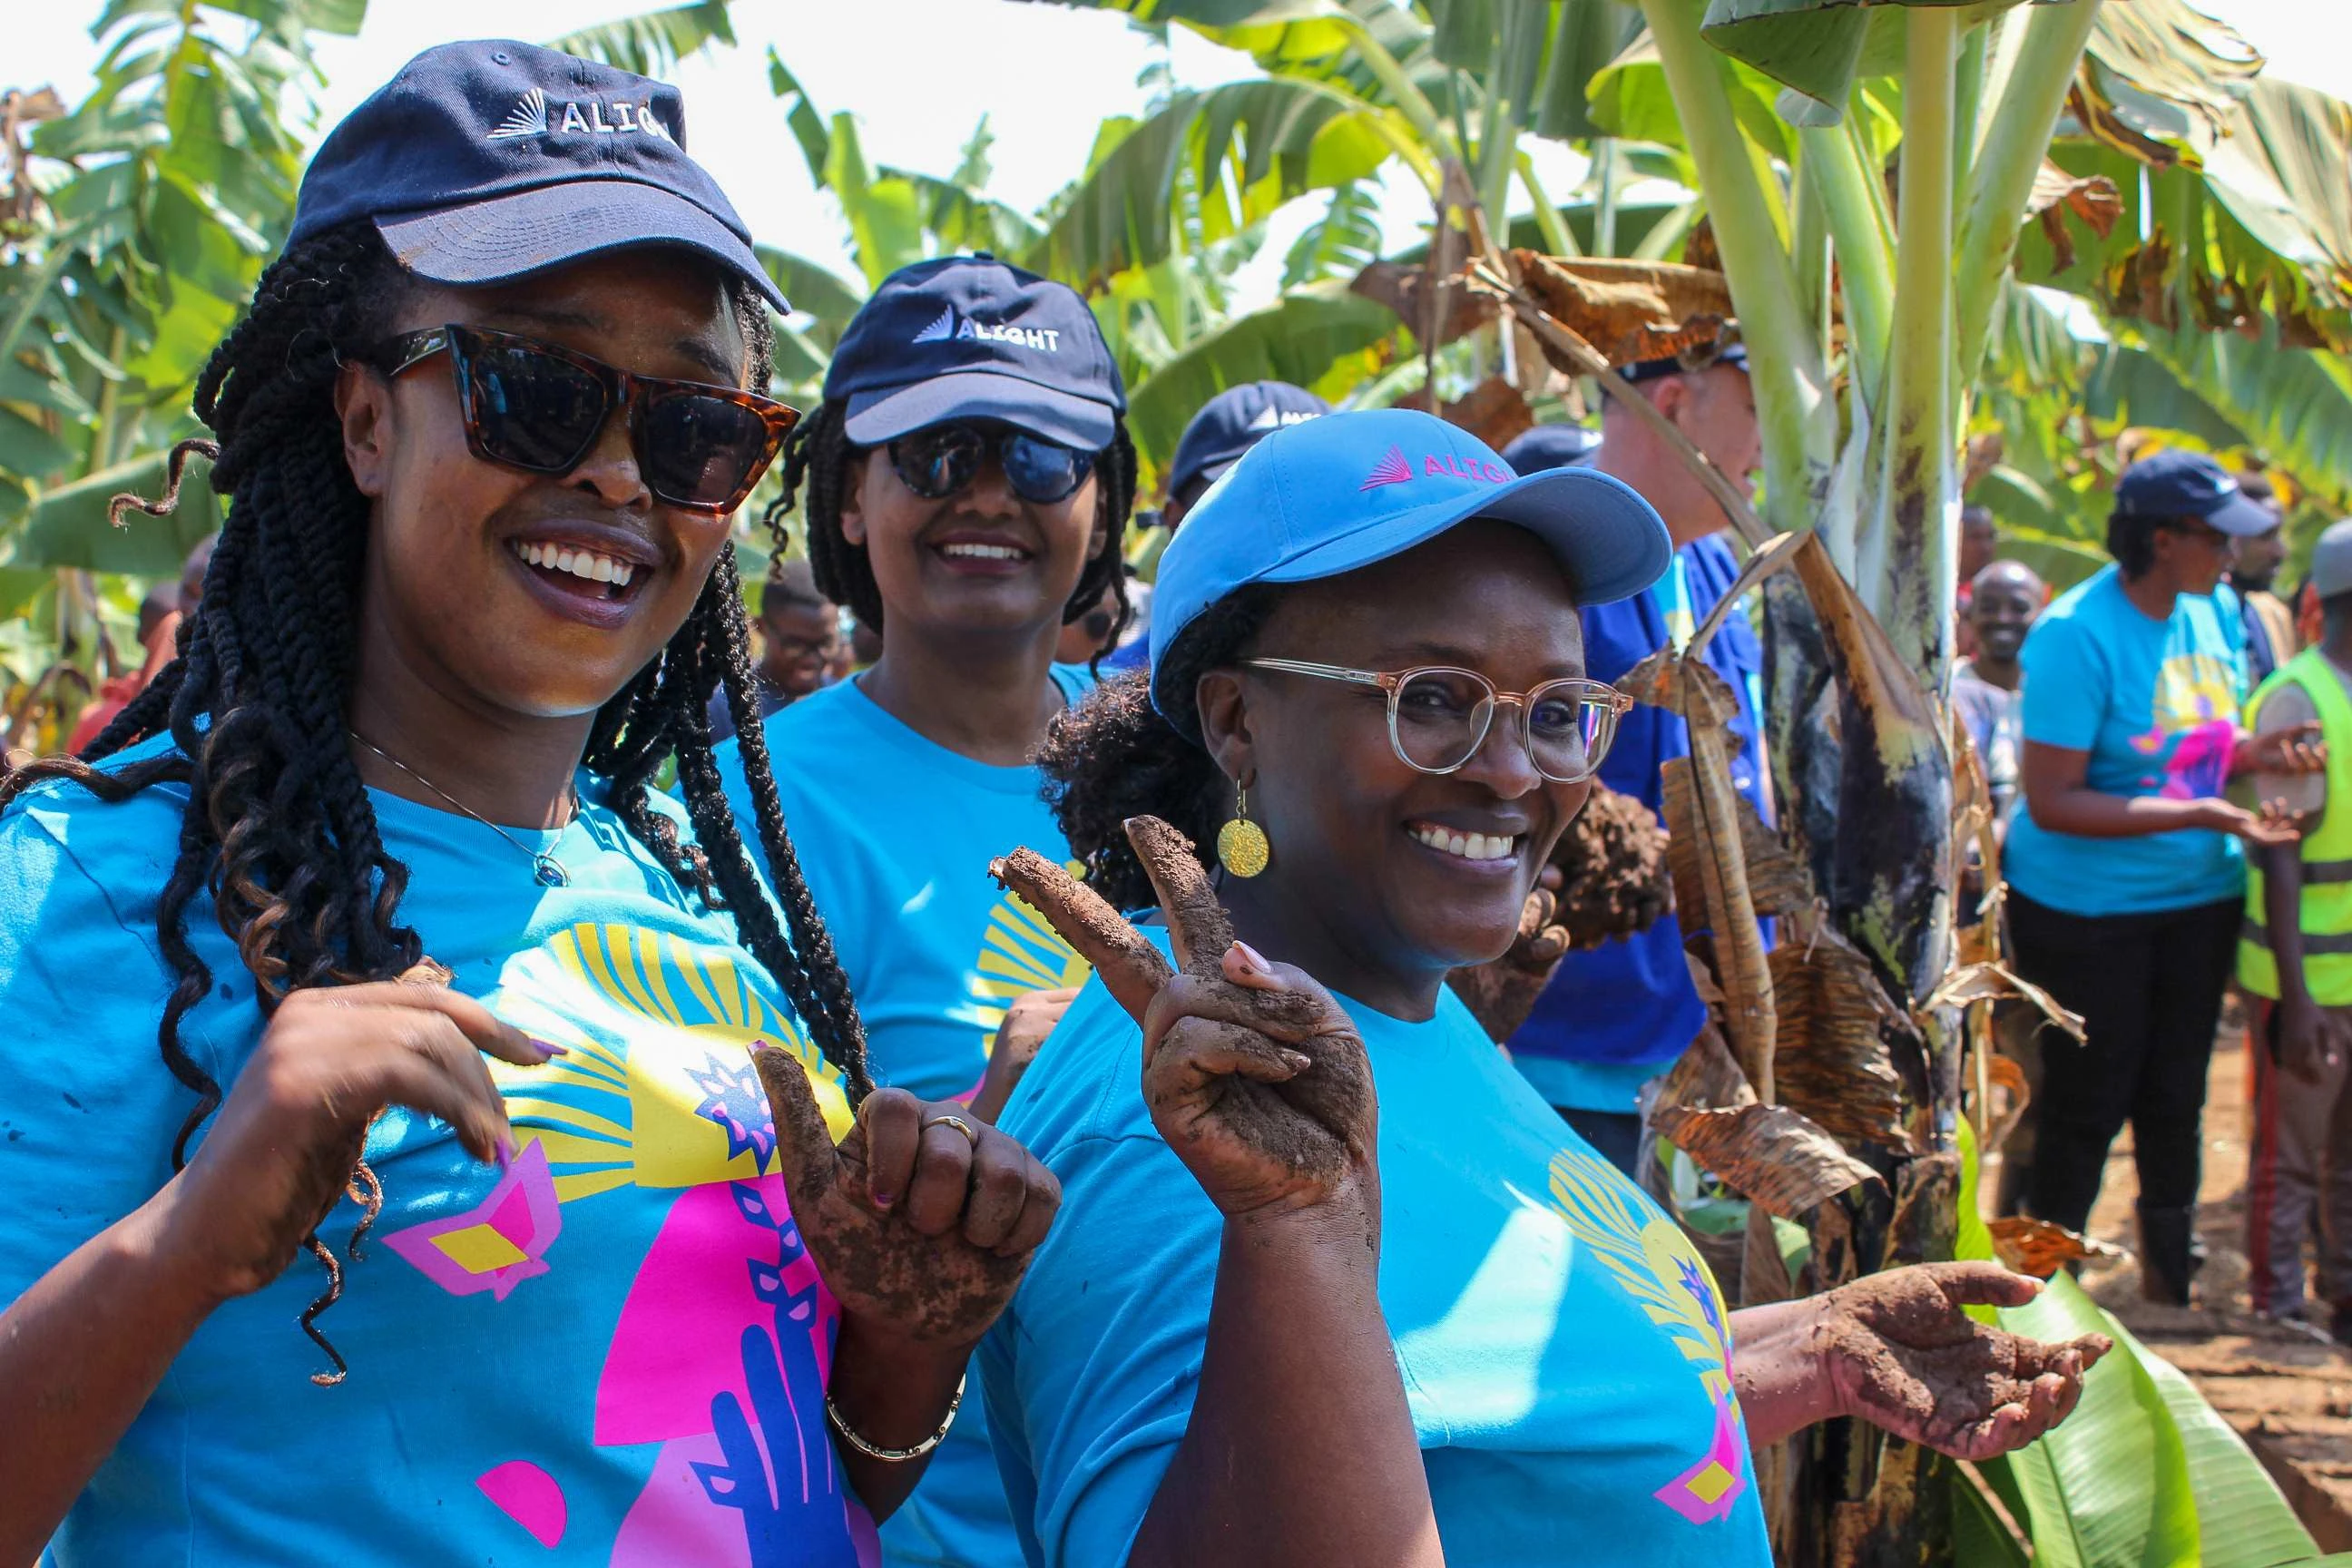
point(1706, 1492)
point(529, 1497)
point(498, 1243)
point(1392, 470)
point(2197, 765)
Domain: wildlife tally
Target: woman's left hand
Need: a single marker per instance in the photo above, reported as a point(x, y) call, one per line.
point(921, 1220)
point(1898, 1351)
point(2295, 750)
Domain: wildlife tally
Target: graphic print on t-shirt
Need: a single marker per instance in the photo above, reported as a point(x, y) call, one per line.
point(724, 1338)
point(1020, 953)
point(1649, 1255)
point(2192, 727)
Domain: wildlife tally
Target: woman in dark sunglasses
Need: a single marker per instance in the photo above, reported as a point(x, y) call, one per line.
point(526, 1058)
point(1203, 1364)
point(964, 488)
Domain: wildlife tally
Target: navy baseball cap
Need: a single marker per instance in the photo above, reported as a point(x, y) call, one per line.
point(1232, 422)
point(969, 336)
point(1334, 494)
point(2190, 484)
point(1550, 446)
point(1733, 354)
point(489, 161)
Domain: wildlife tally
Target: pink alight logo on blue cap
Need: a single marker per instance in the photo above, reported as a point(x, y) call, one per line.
point(1396, 468)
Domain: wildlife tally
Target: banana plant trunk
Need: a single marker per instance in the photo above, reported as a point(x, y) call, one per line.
point(1860, 762)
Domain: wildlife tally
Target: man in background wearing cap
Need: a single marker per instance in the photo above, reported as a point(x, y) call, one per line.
point(1226, 426)
point(2270, 639)
point(1616, 1015)
point(2295, 961)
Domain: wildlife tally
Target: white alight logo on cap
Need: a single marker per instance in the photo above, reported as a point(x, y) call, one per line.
point(1273, 418)
point(946, 327)
point(532, 115)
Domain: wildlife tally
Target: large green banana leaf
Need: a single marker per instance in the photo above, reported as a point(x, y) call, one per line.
point(67, 526)
point(652, 43)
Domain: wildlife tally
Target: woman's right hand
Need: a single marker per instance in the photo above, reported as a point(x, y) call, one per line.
point(278, 1158)
point(1255, 1077)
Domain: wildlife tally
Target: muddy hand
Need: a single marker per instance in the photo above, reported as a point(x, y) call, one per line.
point(1501, 993)
point(1901, 1354)
point(922, 1219)
point(1252, 1072)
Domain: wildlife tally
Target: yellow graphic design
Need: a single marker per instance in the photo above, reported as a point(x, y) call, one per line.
point(657, 1087)
point(1020, 953)
point(1655, 1264)
point(2193, 689)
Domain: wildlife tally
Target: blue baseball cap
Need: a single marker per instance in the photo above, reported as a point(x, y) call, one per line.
point(2190, 484)
point(969, 336)
point(1232, 422)
point(1327, 496)
point(1641, 370)
point(489, 161)
point(1550, 446)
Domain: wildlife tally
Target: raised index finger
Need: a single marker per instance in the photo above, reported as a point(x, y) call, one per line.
point(1197, 923)
point(1129, 965)
point(419, 988)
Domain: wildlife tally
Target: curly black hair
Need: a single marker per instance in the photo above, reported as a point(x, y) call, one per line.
point(1113, 756)
point(815, 471)
point(278, 830)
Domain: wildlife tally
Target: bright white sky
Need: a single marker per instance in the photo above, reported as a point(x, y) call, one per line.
point(918, 74)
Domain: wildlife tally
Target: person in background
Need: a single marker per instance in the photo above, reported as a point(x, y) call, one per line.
point(2126, 872)
point(2003, 600)
point(1090, 636)
point(2295, 961)
point(799, 642)
point(962, 489)
point(1979, 541)
point(1614, 1016)
point(2271, 638)
point(160, 614)
point(1542, 447)
point(1223, 428)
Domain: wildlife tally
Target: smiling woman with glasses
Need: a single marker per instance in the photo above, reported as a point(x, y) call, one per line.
point(1334, 1284)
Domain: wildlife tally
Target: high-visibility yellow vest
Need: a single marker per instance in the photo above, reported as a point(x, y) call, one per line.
point(2326, 854)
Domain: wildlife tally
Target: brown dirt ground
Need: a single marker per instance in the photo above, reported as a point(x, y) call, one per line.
point(2289, 1395)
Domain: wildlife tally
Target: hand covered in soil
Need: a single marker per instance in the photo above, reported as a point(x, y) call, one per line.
point(1500, 993)
point(920, 1229)
point(1899, 1353)
point(1253, 1075)
point(1027, 1021)
point(278, 1159)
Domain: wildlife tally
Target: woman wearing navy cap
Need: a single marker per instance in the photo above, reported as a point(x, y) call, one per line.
point(446, 997)
point(1369, 630)
point(964, 488)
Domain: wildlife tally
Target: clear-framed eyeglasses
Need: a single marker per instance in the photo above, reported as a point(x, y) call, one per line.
point(1438, 716)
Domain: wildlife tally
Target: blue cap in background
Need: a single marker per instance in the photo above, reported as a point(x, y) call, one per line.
point(1327, 496)
point(489, 161)
point(1232, 422)
point(1550, 446)
point(1641, 370)
point(969, 337)
point(2190, 484)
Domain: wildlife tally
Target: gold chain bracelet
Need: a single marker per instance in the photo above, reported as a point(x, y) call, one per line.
point(893, 1455)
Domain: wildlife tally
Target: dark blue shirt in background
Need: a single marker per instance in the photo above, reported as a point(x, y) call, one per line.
point(1616, 1015)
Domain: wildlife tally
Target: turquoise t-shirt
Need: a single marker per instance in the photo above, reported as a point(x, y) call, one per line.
point(612, 1354)
point(2154, 703)
point(895, 833)
point(1564, 1350)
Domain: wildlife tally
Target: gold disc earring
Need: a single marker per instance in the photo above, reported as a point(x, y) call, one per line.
point(1241, 846)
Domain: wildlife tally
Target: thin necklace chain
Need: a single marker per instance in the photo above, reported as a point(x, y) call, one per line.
point(545, 866)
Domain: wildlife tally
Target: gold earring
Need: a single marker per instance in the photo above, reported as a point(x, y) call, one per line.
point(1241, 846)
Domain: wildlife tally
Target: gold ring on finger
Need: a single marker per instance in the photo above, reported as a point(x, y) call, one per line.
point(958, 1124)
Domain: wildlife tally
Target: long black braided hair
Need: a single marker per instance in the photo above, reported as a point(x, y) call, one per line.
point(279, 831)
point(815, 461)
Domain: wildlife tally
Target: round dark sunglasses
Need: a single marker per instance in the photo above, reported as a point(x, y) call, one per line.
point(939, 461)
point(541, 406)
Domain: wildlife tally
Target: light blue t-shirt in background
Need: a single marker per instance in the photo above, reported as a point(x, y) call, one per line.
point(2156, 704)
point(895, 833)
point(612, 1354)
point(1564, 1350)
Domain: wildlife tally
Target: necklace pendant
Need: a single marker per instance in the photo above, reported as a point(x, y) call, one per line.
point(551, 871)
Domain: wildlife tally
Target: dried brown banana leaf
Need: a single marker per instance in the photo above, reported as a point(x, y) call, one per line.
point(1630, 310)
point(1976, 983)
point(1705, 1077)
point(1704, 825)
point(1834, 1061)
point(1768, 1154)
point(2038, 1247)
